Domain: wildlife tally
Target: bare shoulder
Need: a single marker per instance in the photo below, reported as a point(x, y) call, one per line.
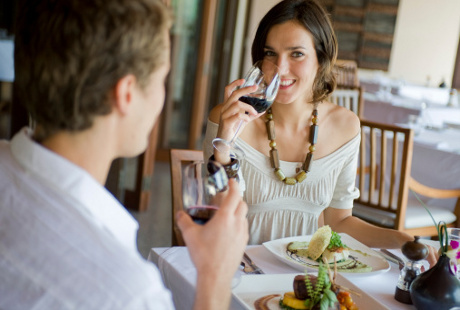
point(344, 123)
point(214, 115)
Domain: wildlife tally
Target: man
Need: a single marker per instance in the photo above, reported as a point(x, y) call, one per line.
point(91, 74)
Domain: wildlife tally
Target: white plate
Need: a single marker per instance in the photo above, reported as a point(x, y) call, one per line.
point(253, 287)
point(363, 254)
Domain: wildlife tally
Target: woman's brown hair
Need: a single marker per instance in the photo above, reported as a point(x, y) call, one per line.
point(314, 18)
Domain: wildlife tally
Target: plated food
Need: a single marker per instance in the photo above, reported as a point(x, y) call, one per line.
point(257, 292)
point(326, 245)
point(361, 260)
point(318, 292)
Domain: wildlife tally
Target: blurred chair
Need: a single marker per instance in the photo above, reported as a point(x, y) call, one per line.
point(384, 182)
point(350, 98)
point(346, 73)
point(178, 160)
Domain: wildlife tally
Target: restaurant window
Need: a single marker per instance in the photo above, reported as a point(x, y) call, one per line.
point(185, 46)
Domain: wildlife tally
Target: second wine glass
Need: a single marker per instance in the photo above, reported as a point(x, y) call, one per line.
point(201, 185)
point(266, 76)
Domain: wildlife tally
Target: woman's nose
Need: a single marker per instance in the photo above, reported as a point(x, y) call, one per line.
point(283, 65)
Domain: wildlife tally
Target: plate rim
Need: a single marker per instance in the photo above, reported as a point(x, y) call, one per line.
point(269, 245)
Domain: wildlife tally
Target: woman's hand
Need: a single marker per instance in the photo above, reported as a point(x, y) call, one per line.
point(233, 111)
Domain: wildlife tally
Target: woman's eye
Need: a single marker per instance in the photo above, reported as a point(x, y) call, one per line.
point(297, 54)
point(269, 53)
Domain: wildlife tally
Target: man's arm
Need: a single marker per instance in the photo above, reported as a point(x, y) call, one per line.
point(216, 248)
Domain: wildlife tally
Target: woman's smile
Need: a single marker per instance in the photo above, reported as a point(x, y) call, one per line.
point(286, 83)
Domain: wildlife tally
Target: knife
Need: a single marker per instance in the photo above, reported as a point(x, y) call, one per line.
point(393, 258)
point(255, 269)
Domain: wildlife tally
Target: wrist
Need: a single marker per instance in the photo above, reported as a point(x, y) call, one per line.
point(231, 168)
point(212, 292)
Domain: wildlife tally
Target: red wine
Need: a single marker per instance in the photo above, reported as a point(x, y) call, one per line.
point(260, 105)
point(201, 214)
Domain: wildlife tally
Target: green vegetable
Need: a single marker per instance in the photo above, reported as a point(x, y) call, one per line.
point(336, 241)
point(321, 294)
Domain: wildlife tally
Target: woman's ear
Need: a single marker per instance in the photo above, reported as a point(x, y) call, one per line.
point(125, 93)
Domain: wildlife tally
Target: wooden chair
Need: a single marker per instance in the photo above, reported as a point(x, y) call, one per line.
point(178, 160)
point(346, 73)
point(385, 184)
point(350, 98)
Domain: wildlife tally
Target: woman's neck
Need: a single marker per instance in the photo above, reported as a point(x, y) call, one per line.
point(295, 116)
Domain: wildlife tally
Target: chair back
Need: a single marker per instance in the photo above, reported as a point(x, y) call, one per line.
point(349, 98)
point(384, 172)
point(346, 73)
point(178, 160)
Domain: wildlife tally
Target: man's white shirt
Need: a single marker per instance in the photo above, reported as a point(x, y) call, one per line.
point(65, 241)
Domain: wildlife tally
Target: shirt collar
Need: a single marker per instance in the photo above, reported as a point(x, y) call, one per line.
point(86, 194)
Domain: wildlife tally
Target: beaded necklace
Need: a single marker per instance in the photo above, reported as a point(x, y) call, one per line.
point(274, 159)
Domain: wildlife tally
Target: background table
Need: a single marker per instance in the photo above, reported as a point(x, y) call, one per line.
point(179, 275)
point(436, 153)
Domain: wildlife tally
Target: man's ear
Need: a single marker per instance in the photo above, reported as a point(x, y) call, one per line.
point(125, 93)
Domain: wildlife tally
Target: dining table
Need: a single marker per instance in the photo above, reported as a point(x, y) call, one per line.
point(394, 108)
point(179, 275)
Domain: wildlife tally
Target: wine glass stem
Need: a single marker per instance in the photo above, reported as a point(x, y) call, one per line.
point(236, 133)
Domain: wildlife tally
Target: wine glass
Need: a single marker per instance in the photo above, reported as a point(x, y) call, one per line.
point(266, 76)
point(454, 250)
point(201, 185)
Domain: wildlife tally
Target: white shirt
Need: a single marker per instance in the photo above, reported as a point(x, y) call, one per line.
point(65, 241)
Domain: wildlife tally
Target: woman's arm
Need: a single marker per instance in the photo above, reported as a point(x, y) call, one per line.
point(231, 114)
point(341, 220)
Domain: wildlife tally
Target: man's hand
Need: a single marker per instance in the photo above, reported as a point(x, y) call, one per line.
point(217, 247)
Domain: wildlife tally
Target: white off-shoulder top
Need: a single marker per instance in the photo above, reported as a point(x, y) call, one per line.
point(277, 210)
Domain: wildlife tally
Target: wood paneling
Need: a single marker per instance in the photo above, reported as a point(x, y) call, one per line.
point(364, 30)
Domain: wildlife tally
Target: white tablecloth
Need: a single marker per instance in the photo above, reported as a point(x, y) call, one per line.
point(179, 276)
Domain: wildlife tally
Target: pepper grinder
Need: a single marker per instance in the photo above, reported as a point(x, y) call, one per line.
point(415, 252)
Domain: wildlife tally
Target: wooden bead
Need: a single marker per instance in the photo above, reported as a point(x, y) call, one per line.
point(313, 134)
point(308, 161)
point(271, 130)
point(275, 162)
point(279, 174)
point(301, 176)
point(274, 157)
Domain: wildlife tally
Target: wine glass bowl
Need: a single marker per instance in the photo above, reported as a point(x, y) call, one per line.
point(201, 185)
point(266, 76)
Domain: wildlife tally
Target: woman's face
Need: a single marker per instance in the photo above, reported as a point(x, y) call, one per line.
point(291, 47)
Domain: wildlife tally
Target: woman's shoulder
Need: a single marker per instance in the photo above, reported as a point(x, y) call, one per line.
point(344, 123)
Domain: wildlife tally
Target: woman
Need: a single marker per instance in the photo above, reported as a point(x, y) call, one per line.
point(298, 37)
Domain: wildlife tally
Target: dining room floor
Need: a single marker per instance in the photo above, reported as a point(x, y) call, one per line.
point(155, 222)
